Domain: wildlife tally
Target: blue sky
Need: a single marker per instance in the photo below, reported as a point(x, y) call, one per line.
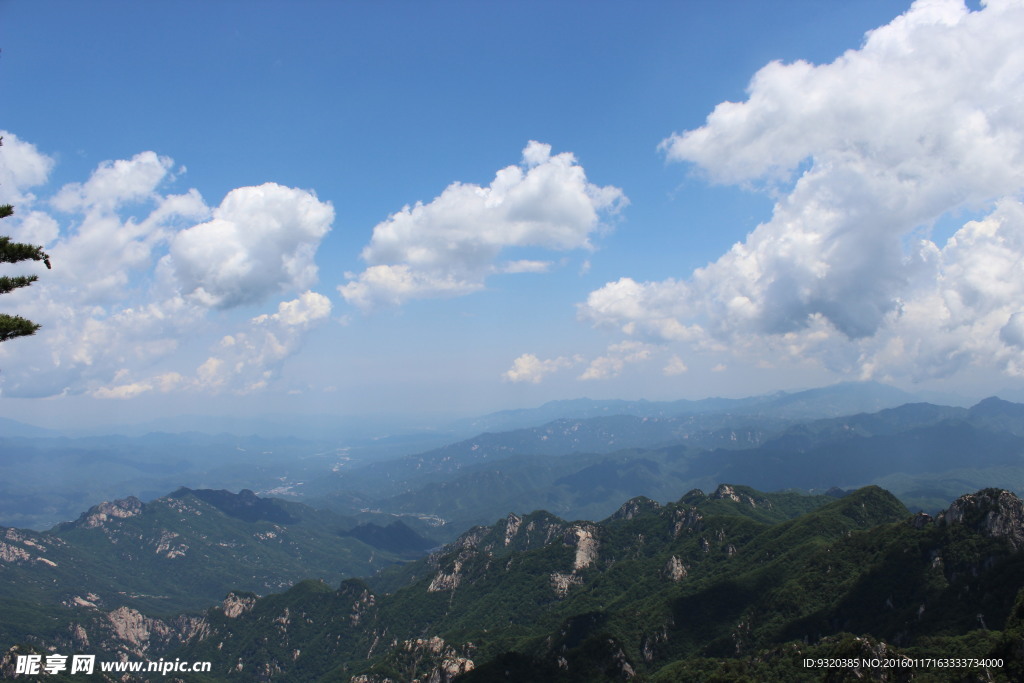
point(252, 206)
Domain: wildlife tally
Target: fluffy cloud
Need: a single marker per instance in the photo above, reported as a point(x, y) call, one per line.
point(23, 166)
point(617, 357)
point(675, 366)
point(261, 241)
point(246, 361)
point(449, 246)
point(136, 271)
point(115, 183)
point(530, 368)
point(866, 153)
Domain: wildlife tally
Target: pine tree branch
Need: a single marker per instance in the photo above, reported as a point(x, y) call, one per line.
point(14, 252)
point(9, 284)
point(12, 326)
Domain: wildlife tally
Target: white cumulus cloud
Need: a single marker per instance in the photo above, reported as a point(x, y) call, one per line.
point(530, 368)
point(449, 246)
point(22, 167)
point(260, 241)
point(136, 270)
point(865, 154)
point(616, 358)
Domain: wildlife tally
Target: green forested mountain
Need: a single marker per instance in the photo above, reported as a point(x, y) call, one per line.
point(180, 552)
point(736, 581)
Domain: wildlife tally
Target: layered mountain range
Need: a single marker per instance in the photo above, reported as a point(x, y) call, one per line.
point(394, 569)
point(736, 581)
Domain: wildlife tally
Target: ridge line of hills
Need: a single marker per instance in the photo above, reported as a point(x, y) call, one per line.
point(738, 578)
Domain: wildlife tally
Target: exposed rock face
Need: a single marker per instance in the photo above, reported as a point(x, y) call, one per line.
point(995, 513)
point(19, 546)
point(235, 605)
point(729, 492)
point(131, 627)
point(471, 539)
point(426, 660)
point(128, 633)
point(361, 606)
point(563, 582)
point(168, 547)
point(512, 527)
point(447, 581)
point(686, 518)
point(675, 569)
point(634, 506)
point(13, 553)
point(586, 544)
point(119, 509)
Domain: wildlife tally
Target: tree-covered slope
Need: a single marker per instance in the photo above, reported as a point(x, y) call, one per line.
point(180, 552)
point(712, 578)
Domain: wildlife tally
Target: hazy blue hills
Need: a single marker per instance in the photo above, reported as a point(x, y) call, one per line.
point(598, 427)
point(926, 454)
point(47, 480)
point(839, 399)
point(14, 428)
point(354, 463)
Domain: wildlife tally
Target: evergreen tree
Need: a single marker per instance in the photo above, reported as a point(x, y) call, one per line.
point(12, 326)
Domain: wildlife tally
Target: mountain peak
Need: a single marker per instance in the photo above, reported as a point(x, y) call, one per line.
point(738, 494)
point(244, 505)
point(97, 515)
point(996, 513)
point(635, 506)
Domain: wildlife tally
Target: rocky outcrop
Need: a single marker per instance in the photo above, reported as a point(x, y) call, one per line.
point(995, 513)
point(563, 582)
point(13, 553)
point(235, 604)
point(167, 546)
point(584, 537)
point(98, 515)
point(447, 581)
point(686, 518)
point(635, 506)
point(512, 524)
point(20, 547)
point(425, 660)
point(674, 569)
point(725, 491)
point(127, 633)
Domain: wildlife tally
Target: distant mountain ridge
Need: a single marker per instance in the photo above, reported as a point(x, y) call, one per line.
point(838, 399)
point(926, 454)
